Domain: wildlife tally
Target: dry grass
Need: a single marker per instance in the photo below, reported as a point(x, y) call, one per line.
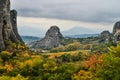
point(53, 55)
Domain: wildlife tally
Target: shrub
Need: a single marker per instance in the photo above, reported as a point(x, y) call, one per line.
point(66, 57)
point(77, 57)
point(73, 46)
point(5, 56)
point(58, 49)
point(115, 51)
point(110, 69)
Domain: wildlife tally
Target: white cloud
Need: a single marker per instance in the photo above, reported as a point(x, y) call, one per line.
point(45, 23)
point(93, 14)
point(81, 10)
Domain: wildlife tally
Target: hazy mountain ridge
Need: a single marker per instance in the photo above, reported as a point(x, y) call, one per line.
point(27, 39)
point(79, 30)
point(82, 35)
point(34, 38)
point(41, 32)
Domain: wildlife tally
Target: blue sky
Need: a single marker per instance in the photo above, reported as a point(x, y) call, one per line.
point(92, 14)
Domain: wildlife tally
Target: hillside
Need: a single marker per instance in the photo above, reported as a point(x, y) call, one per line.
point(18, 63)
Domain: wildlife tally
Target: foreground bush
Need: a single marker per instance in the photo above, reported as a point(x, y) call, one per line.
point(115, 51)
point(110, 69)
point(18, 77)
point(21, 64)
point(70, 47)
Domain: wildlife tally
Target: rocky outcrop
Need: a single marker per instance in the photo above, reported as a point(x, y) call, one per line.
point(13, 16)
point(105, 33)
point(8, 25)
point(116, 31)
point(52, 39)
point(105, 36)
point(116, 27)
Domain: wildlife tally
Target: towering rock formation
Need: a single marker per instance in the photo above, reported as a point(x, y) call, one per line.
point(13, 16)
point(105, 33)
point(105, 36)
point(52, 39)
point(8, 25)
point(116, 27)
point(116, 31)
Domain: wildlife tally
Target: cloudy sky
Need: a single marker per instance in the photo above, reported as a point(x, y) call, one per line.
point(41, 14)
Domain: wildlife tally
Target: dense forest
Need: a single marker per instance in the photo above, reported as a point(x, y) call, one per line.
point(17, 62)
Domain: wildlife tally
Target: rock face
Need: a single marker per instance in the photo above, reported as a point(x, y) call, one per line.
point(116, 31)
point(13, 16)
point(52, 39)
point(106, 36)
point(8, 24)
point(114, 37)
point(116, 27)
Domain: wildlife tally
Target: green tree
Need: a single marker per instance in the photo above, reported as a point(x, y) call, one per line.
point(115, 51)
point(110, 69)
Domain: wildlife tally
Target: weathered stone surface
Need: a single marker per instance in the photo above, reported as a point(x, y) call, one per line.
point(13, 14)
point(105, 33)
point(52, 39)
point(116, 31)
point(116, 27)
point(105, 36)
point(7, 31)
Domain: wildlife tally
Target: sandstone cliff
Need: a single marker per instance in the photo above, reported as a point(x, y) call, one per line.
point(105, 36)
point(8, 24)
point(116, 27)
point(116, 31)
point(105, 33)
point(52, 39)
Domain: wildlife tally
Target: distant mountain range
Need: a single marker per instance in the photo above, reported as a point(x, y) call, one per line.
point(79, 30)
point(31, 31)
point(82, 35)
point(76, 32)
point(27, 39)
